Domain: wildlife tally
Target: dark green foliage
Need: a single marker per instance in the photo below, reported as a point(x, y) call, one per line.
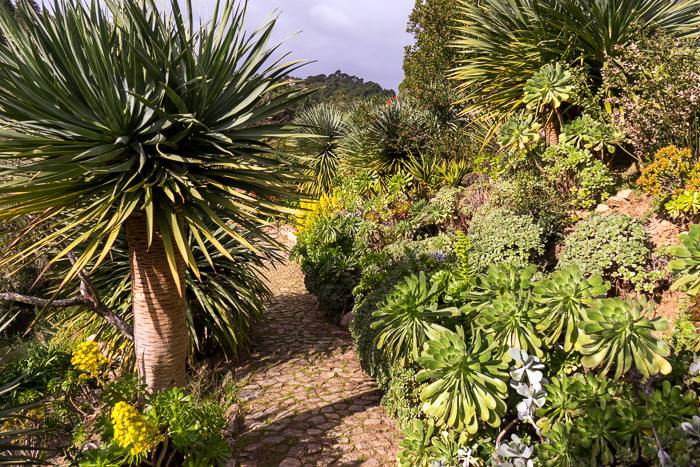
point(383, 137)
point(581, 178)
point(501, 236)
point(670, 406)
point(427, 62)
point(338, 89)
point(613, 246)
point(509, 41)
point(16, 446)
point(650, 84)
point(36, 371)
point(327, 256)
point(196, 430)
point(322, 128)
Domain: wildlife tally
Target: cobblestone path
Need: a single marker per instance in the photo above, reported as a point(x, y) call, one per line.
point(307, 401)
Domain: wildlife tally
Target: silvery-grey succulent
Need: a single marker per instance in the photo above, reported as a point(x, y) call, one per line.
point(514, 454)
point(527, 381)
point(694, 368)
point(692, 429)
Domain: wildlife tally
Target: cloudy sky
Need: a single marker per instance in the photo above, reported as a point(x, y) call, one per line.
point(365, 38)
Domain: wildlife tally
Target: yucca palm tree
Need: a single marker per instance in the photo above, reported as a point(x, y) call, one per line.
point(386, 138)
point(322, 128)
point(126, 119)
point(505, 42)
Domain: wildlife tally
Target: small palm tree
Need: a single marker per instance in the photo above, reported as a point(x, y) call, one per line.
point(321, 130)
point(125, 119)
point(386, 137)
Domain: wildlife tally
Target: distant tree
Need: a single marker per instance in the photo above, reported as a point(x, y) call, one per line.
point(428, 61)
point(12, 8)
point(341, 89)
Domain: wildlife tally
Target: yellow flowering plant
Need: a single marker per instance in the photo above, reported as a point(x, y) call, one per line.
point(88, 360)
point(314, 209)
point(132, 430)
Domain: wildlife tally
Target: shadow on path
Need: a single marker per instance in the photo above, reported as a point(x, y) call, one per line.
point(307, 401)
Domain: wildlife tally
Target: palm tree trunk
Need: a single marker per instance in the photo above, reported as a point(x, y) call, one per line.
point(551, 133)
point(160, 315)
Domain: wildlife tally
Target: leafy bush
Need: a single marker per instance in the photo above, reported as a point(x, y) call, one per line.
point(613, 246)
point(670, 171)
point(326, 251)
point(383, 137)
point(654, 83)
point(531, 195)
point(582, 178)
point(500, 236)
point(40, 367)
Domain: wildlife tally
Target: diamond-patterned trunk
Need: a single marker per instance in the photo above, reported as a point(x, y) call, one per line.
point(160, 316)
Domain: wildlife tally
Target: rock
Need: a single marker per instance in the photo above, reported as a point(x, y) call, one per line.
point(234, 419)
point(346, 319)
point(602, 208)
point(616, 201)
point(290, 462)
point(625, 194)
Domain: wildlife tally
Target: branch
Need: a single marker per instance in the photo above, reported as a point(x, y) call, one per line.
point(100, 309)
point(90, 293)
point(42, 302)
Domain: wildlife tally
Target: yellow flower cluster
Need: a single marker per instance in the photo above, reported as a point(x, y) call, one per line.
point(314, 209)
point(88, 359)
point(131, 429)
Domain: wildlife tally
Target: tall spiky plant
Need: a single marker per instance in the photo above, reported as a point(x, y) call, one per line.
point(506, 42)
point(125, 118)
point(323, 127)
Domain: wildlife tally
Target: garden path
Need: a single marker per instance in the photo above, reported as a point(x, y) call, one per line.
point(307, 401)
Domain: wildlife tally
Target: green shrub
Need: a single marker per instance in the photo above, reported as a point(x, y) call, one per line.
point(500, 236)
point(532, 195)
point(39, 367)
point(327, 253)
point(579, 176)
point(613, 246)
